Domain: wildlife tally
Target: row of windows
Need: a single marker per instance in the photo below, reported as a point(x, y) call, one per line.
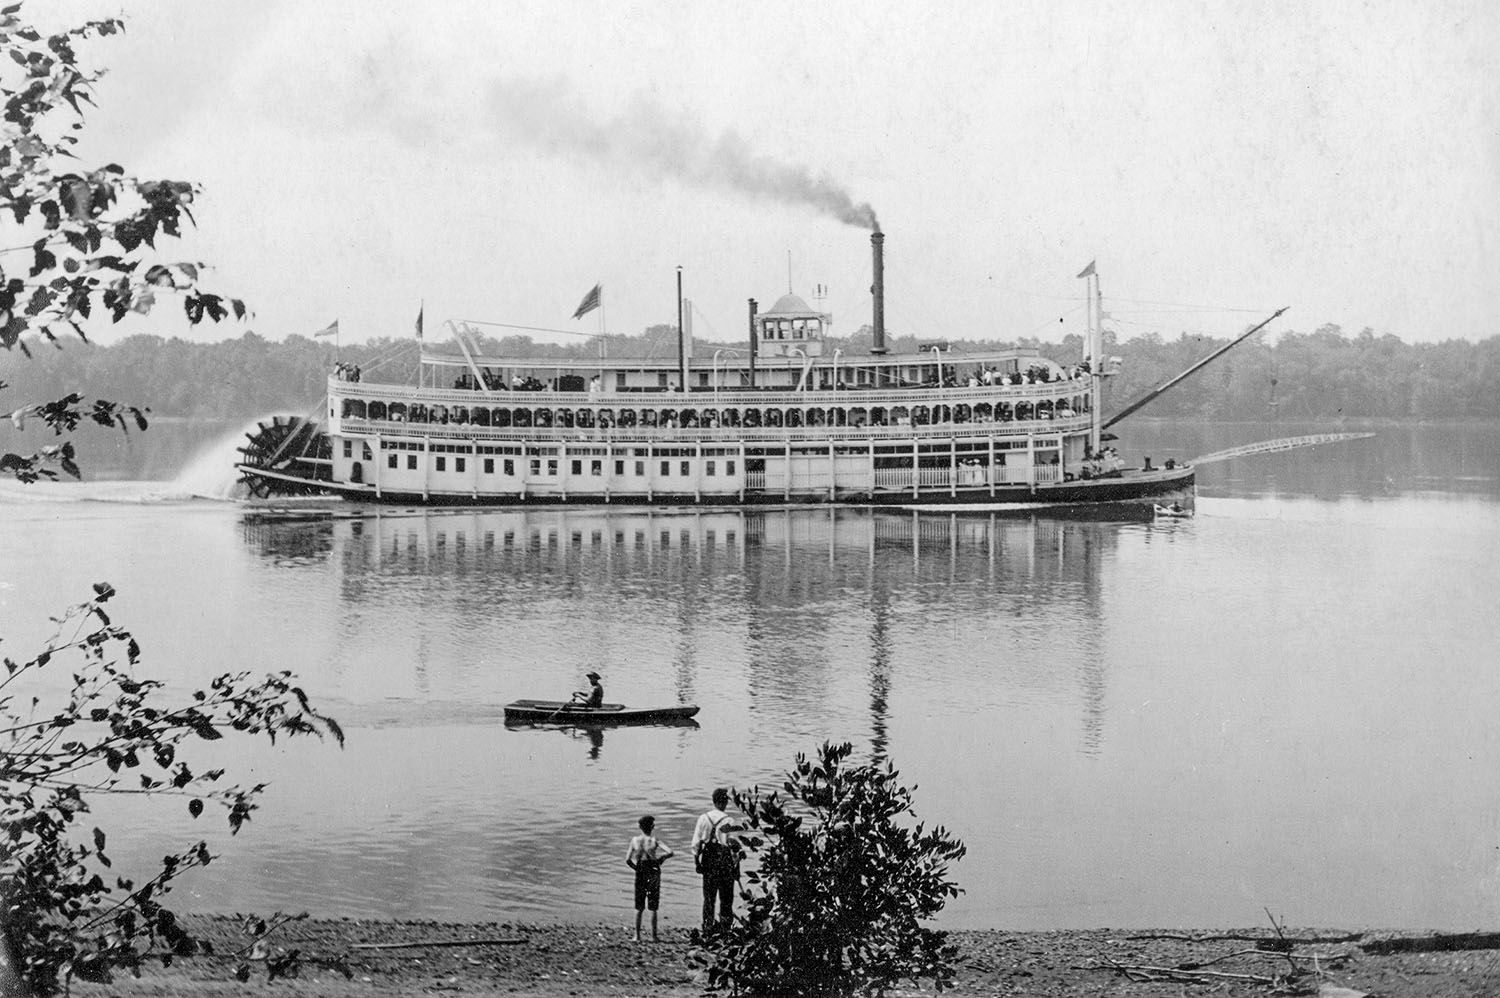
point(595, 466)
point(710, 418)
point(653, 452)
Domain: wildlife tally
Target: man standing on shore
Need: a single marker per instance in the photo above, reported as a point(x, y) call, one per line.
point(717, 856)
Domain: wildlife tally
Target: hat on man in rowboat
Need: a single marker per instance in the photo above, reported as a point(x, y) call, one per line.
point(591, 675)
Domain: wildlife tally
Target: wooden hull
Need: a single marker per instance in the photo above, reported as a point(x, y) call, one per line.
point(1130, 486)
point(562, 712)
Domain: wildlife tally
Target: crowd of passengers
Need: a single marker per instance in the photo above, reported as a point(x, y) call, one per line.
point(496, 383)
point(1036, 374)
point(346, 372)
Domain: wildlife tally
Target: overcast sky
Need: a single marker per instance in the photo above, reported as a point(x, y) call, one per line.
point(494, 161)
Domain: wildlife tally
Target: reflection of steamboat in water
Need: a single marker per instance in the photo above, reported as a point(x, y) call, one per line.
point(796, 589)
point(785, 420)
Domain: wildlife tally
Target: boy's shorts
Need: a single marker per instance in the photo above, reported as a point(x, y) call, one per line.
point(647, 887)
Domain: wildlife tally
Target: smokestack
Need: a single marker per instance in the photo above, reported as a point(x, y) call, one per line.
point(877, 248)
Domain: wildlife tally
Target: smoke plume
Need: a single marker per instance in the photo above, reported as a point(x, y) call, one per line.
point(647, 138)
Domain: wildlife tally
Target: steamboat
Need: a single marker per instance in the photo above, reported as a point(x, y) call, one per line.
point(779, 419)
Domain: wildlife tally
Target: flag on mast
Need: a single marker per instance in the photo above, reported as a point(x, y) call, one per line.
point(591, 301)
point(1089, 270)
point(332, 329)
point(422, 308)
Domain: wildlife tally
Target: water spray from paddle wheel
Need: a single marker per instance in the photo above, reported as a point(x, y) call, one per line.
point(290, 446)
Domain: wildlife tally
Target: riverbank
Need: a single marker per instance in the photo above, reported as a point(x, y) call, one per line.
point(405, 958)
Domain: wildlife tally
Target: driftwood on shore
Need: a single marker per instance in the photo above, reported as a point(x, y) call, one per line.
point(1141, 973)
point(1263, 942)
point(1438, 942)
point(421, 943)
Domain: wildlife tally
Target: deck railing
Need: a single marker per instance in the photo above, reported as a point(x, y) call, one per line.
point(707, 398)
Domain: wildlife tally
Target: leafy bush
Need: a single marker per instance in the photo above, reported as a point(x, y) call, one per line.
point(65, 912)
point(843, 882)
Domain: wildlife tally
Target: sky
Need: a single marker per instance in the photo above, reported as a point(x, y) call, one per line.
point(486, 161)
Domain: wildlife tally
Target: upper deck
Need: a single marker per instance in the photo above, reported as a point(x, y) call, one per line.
point(760, 414)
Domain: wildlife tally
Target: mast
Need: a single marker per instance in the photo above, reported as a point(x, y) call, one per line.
point(682, 366)
point(1213, 356)
point(1096, 361)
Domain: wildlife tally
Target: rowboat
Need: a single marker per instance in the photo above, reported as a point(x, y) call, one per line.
point(572, 713)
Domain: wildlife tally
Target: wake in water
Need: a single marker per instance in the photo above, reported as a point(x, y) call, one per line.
point(208, 474)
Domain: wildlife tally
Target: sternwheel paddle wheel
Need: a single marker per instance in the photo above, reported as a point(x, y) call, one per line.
point(288, 456)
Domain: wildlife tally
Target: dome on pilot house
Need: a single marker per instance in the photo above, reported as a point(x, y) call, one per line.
point(790, 304)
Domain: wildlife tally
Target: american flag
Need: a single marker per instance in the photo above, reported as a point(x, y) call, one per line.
point(590, 301)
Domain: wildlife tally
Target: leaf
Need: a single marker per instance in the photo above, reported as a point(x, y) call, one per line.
point(195, 807)
point(98, 840)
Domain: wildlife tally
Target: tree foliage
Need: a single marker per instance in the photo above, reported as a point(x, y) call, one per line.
point(1304, 376)
point(843, 883)
point(67, 913)
point(76, 241)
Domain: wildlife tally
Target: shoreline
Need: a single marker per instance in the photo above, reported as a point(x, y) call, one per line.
point(387, 957)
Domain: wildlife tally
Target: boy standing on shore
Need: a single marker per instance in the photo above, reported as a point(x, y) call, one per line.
point(645, 858)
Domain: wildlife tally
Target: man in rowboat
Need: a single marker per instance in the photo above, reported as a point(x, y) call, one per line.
point(594, 697)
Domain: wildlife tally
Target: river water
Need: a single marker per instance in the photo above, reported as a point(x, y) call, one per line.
point(1286, 701)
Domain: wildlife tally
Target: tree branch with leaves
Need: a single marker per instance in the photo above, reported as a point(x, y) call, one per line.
point(112, 733)
point(76, 240)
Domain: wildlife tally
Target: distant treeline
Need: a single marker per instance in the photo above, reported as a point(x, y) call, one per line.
point(1323, 374)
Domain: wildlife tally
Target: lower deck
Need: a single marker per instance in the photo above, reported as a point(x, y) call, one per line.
point(432, 472)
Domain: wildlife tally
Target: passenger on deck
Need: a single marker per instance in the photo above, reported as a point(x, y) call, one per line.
point(595, 696)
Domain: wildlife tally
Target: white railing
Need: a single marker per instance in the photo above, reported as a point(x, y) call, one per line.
point(709, 399)
point(969, 476)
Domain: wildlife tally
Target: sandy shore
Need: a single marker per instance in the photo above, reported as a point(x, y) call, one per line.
point(555, 960)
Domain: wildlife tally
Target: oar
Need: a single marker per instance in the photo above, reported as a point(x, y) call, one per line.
point(559, 710)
